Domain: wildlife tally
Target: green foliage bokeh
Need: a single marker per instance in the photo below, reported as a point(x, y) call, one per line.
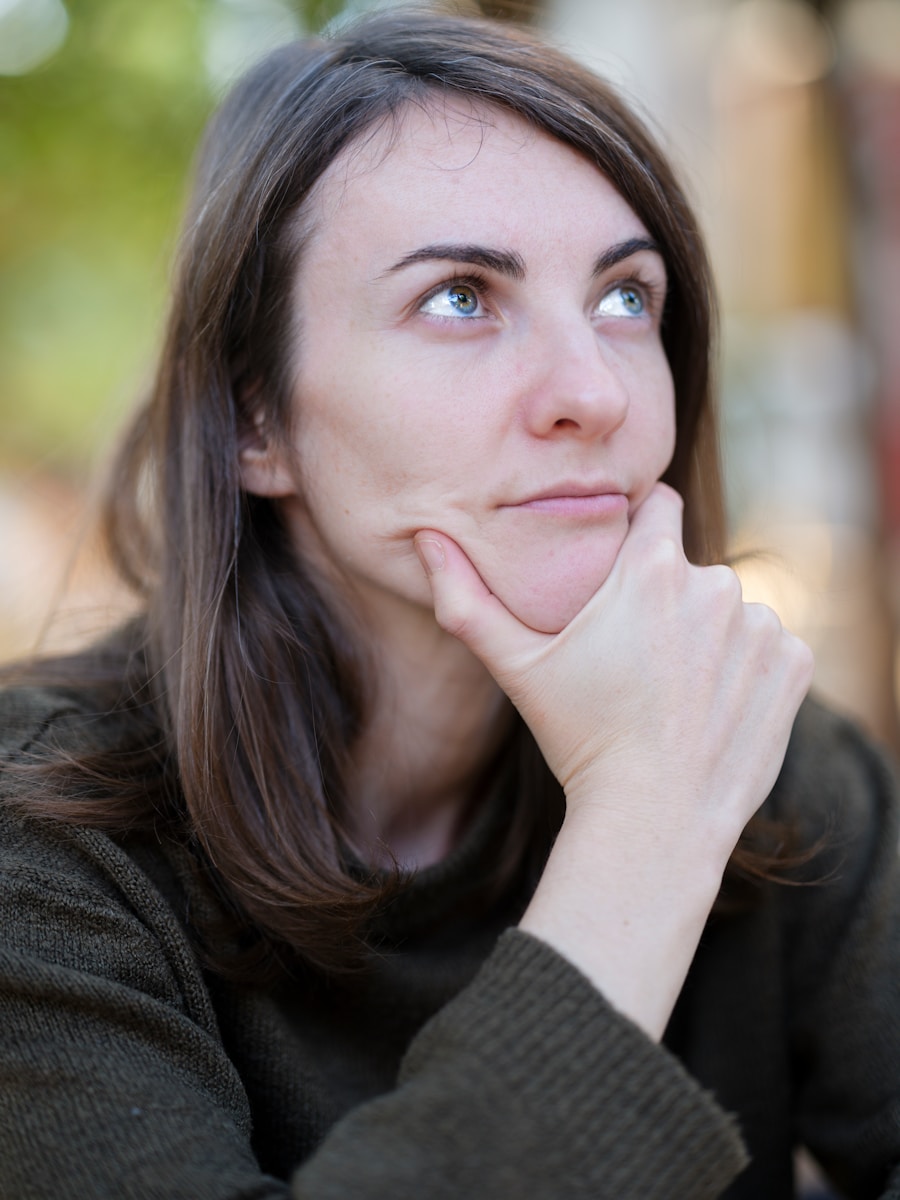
point(95, 150)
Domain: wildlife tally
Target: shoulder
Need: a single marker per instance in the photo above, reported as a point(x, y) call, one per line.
point(29, 714)
point(837, 795)
point(70, 705)
point(105, 1009)
point(824, 740)
point(43, 724)
point(835, 779)
point(64, 883)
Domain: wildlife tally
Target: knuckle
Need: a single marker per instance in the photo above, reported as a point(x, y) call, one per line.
point(765, 620)
point(724, 583)
point(670, 496)
point(665, 556)
point(466, 620)
point(454, 619)
point(804, 659)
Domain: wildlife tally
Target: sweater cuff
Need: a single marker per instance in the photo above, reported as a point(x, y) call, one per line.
point(589, 1074)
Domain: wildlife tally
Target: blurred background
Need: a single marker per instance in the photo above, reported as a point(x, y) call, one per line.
point(784, 119)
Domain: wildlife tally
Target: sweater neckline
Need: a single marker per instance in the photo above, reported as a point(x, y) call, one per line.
point(442, 888)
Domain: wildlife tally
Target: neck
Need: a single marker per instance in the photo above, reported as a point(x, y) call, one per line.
point(438, 721)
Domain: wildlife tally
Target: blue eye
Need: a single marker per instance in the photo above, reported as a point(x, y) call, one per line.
point(622, 301)
point(453, 300)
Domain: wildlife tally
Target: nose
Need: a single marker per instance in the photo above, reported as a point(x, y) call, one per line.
point(577, 387)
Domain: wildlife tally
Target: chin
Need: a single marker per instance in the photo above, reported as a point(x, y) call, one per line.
point(546, 579)
point(550, 603)
point(545, 615)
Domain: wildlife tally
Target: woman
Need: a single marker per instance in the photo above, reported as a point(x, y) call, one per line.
point(378, 854)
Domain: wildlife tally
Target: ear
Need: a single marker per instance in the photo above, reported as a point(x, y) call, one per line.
point(264, 466)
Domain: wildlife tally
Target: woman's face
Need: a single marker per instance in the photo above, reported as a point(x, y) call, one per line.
point(477, 333)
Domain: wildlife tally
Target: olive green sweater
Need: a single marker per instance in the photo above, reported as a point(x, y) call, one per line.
point(470, 1061)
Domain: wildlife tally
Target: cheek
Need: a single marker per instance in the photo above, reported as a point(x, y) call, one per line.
point(346, 434)
point(375, 463)
point(385, 430)
point(655, 432)
point(665, 439)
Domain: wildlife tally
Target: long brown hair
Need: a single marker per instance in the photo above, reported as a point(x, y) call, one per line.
point(233, 703)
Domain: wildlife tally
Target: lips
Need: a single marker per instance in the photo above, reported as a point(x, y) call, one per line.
point(569, 488)
point(576, 499)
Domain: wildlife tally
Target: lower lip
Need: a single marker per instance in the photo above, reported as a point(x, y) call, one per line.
point(608, 504)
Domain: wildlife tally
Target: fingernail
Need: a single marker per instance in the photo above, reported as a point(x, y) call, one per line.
point(431, 554)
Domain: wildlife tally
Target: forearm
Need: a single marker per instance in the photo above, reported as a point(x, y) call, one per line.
point(630, 923)
point(529, 1083)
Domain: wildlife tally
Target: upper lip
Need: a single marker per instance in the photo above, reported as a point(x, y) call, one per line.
point(571, 487)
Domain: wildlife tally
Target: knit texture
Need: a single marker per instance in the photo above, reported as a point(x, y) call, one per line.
point(471, 1060)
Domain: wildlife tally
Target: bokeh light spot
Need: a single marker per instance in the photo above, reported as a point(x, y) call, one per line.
point(31, 31)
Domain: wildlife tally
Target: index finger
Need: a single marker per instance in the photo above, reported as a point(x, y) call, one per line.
point(466, 607)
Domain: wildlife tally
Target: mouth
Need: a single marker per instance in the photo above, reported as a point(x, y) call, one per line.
point(576, 499)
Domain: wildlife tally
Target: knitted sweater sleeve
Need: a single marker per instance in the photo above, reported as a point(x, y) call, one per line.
point(528, 1083)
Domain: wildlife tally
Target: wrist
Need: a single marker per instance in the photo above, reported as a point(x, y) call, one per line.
point(627, 911)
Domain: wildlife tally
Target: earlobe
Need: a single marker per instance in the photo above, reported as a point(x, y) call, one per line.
point(263, 463)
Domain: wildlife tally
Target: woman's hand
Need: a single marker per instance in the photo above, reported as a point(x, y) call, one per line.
point(664, 709)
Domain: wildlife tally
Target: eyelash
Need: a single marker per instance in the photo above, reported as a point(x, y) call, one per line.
point(478, 283)
point(650, 291)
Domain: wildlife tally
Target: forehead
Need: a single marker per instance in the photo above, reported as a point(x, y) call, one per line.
point(452, 162)
point(443, 133)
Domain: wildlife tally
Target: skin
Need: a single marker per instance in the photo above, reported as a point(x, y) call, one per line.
point(501, 416)
point(421, 401)
point(526, 406)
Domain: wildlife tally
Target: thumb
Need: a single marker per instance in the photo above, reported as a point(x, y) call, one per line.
point(466, 607)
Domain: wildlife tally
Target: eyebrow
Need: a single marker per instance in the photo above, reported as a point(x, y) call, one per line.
point(622, 250)
point(508, 262)
point(504, 262)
